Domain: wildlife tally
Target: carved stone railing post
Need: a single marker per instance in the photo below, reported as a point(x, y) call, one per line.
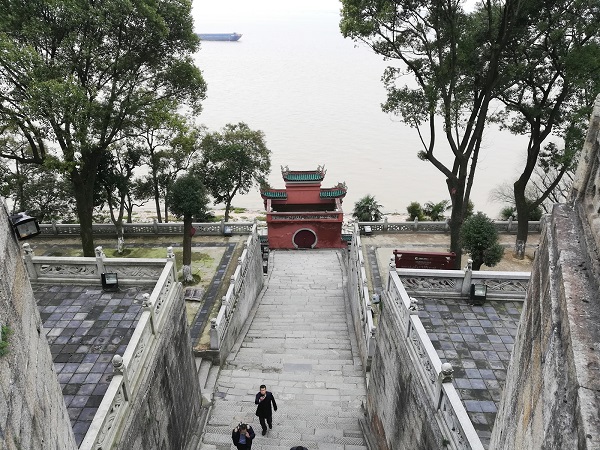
point(147, 305)
point(416, 224)
point(100, 259)
point(54, 227)
point(170, 253)
point(466, 285)
point(214, 335)
point(120, 369)
point(29, 262)
point(445, 376)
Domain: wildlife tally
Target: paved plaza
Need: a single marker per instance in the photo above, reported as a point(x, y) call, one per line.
point(299, 345)
point(85, 328)
point(478, 342)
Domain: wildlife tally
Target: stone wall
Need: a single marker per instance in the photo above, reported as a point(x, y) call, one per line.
point(552, 394)
point(399, 412)
point(32, 410)
point(163, 415)
point(244, 288)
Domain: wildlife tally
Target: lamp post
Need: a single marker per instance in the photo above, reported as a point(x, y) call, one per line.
point(25, 226)
point(478, 294)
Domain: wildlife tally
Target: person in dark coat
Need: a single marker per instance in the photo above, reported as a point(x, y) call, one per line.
point(242, 436)
point(264, 399)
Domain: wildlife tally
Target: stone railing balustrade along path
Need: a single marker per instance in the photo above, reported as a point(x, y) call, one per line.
point(300, 344)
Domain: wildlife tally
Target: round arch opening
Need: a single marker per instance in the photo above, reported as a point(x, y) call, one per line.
point(304, 238)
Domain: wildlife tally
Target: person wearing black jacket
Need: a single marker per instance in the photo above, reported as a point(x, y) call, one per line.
point(264, 399)
point(242, 436)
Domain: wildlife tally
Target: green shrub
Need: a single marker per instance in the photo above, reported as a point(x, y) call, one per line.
point(415, 211)
point(4, 335)
point(479, 238)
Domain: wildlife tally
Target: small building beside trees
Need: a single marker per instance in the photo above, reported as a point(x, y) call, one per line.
point(304, 215)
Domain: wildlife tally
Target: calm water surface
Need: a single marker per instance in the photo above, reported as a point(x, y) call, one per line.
point(317, 97)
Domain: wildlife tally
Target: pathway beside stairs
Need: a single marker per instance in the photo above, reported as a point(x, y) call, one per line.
point(301, 344)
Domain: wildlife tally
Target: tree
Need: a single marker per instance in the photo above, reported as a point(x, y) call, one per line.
point(38, 191)
point(77, 75)
point(169, 143)
point(511, 212)
point(188, 198)
point(367, 209)
point(435, 211)
point(233, 161)
point(555, 69)
point(415, 211)
point(456, 62)
point(115, 176)
point(479, 238)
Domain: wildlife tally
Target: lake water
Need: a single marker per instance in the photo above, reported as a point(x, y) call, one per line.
point(317, 97)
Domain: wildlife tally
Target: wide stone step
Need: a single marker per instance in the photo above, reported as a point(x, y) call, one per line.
point(289, 436)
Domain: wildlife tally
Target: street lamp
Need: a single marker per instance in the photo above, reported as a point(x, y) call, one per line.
point(478, 294)
point(25, 226)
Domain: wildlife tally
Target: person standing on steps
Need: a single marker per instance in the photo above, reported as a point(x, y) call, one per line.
point(242, 436)
point(264, 412)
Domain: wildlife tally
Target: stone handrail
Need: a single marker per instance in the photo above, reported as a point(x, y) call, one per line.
point(450, 412)
point(83, 270)
point(241, 228)
point(360, 300)
point(502, 226)
point(147, 229)
point(244, 286)
point(126, 383)
point(457, 283)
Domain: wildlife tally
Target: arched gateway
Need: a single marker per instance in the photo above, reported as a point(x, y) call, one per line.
point(304, 215)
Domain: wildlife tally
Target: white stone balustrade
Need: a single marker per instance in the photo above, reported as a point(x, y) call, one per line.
point(360, 299)
point(126, 383)
point(243, 290)
point(451, 414)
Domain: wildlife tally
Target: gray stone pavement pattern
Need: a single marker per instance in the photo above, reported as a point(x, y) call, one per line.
point(478, 342)
point(300, 345)
point(85, 327)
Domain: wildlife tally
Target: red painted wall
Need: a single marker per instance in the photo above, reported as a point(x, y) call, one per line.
point(328, 234)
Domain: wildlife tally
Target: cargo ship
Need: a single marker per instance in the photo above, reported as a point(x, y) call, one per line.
point(219, 36)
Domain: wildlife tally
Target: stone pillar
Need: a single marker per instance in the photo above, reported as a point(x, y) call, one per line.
point(29, 262)
point(100, 259)
point(465, 289)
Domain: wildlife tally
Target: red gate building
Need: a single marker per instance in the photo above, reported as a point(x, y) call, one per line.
point(304, 215)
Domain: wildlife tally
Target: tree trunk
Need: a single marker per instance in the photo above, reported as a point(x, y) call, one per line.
point(456, 191)
point(455, 241)
point(187, 241)
point(84, 201)
point(522, 219)
point(156, 198)
point(227, 208)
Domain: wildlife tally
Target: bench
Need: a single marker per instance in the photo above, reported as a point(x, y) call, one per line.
point(424, 260)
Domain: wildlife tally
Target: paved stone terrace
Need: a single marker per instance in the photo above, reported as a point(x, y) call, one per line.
point(299, 345)
point(478, 342)
point(85, 327)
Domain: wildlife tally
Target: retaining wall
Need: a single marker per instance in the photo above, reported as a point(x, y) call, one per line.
point(32, 410)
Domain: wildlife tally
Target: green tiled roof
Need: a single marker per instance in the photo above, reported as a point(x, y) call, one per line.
point(304, 176)
point(274, 194)
point(333, 193)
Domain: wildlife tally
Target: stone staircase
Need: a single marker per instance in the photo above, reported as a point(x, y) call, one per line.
point(299, 344)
